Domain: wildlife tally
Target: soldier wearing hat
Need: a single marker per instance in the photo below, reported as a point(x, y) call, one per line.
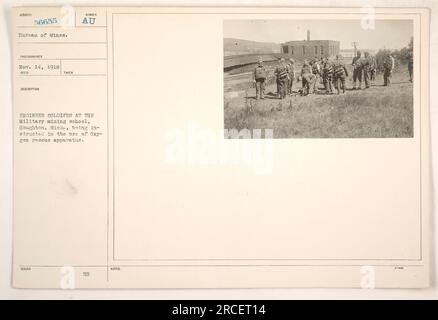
point(282, 76)
point(388, 65)
point(339, 73)
point(316, 70)
point(366, 69)
point(308, 78)
point(327, 75)
point(260, 75)
point(291, 70)
point(357, 70)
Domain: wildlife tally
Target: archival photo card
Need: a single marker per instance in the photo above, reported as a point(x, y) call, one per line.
point(246, 148)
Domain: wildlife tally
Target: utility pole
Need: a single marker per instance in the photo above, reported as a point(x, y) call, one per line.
point(355, 45)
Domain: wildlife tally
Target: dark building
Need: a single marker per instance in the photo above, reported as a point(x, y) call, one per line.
point(307, 49)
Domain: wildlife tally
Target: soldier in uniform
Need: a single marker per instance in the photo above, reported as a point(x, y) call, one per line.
point(372, 68)
point(388, 65)
point(410, 65)
point(327, 75)
point(287, 81)
point(339, 73)
point(316, 70)
point(276, 78)
point(357, 70)
point(366, 69)
point(291, 70)
point(260, 75)
point(308, 78)
point(282, 76)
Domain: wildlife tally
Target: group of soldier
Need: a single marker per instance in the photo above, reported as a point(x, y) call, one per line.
point(333, 74)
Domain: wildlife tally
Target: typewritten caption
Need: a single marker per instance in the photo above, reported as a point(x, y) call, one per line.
point(57, 127)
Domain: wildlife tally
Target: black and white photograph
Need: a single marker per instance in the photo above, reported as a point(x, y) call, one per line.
point(319, 78)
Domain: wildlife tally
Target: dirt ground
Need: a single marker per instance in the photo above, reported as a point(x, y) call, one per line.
point(377, 112)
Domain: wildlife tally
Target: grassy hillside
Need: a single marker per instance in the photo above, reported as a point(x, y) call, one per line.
point(239, 46)
point(375, 112)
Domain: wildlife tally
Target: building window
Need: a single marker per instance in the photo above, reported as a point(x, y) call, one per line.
point(285, 49)
point(322, 50)
point(304, 50)
point(292, 50)
point(316, 50)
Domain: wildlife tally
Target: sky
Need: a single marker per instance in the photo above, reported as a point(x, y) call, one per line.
point(389, 34)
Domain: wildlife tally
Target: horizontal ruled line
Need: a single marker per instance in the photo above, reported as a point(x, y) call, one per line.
point(57, 42)
point(220, 265)
point(63, 27)
point(61, 59)
point(61, 75)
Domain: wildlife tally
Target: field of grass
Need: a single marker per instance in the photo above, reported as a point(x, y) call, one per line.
point(377, 112)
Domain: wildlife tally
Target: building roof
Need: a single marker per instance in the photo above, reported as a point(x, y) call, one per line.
point(303, 42)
